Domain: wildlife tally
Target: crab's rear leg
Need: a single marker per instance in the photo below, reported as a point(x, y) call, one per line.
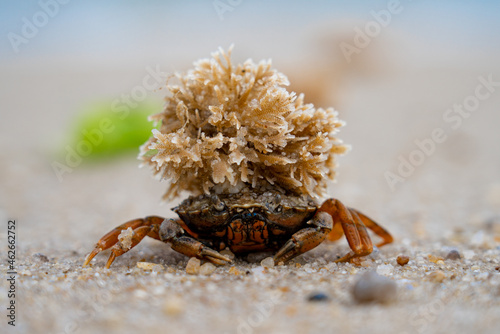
point(353, 226)
point(140, 228)
point(306, 238)
point(376, 228)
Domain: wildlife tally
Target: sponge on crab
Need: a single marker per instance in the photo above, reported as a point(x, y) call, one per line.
point(226, 127)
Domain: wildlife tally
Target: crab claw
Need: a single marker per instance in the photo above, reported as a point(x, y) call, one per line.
point(302, 241)
point(92, 254)
point(140, 228)
point(191, 247)
point(111, 258)
point(208, 252)
point(287, 252)
point(305, 239)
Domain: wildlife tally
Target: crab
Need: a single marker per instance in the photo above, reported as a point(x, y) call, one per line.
point(246, 222)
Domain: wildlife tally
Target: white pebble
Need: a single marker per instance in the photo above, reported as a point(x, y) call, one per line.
point(207, 268)
point(482, 276)
point(193, 266)
point(371, 287)
point(478, 239)
point(125, 238)
point(385, 269)
point(158, 268)
point(159, 290)
point(375, 254)
point(148, 265)
point(469, 254)
point(227, 253)
point(258, 272)
point(141, 294)
point(268, 262)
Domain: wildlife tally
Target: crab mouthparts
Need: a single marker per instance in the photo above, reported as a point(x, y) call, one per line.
point(248, 215)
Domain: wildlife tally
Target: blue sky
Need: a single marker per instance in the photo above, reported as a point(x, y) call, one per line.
point(97, 29)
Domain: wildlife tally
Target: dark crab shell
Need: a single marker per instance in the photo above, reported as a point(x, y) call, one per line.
point(207, 214)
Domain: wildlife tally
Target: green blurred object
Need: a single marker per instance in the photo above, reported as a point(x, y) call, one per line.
point(112, 131)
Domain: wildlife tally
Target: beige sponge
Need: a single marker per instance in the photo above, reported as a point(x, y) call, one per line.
point(227, 127)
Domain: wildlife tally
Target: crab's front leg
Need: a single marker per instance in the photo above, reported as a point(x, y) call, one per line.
point(172, 232)
point(306, 238)
point(140, 228)
point(166, 230)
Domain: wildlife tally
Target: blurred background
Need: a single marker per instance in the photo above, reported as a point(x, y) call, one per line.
point(417, 83)
point(392, 70)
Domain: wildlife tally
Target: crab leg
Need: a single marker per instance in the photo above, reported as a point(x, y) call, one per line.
point(140, 227)
point(353, 226)
point(166, 230)
point(376, 228)
point(171, 232)
point(305, 239)
point(336, 233)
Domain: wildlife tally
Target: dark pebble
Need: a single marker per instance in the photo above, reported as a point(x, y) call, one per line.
point(40, 257)
point(318, 297)
point(371, 287)
point(453, 255)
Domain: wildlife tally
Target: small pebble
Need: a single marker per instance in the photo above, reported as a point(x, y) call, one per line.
point(437, 276)
point(385, 269)
point(371, 287)
point(174, 306)
point(207, 269)
point(375, 254)
point(25, 272)
point(258, 272)
point(434, 259)
point(453, 255)
point(469, 254)
point(193, 266)
point(403, 260)
point(318, 297)
point(148, 265)
point(40, 257)
point(158, 268)
point(257, 257)
point(478, 239)
point(234, 271)
point(125, 238)
point(140, 293)
point(227, 253)
point(268, 262)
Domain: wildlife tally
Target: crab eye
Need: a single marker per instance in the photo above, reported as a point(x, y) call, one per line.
point(277, 199)
point(274, 204)
point(219, 206)
point(217, 203)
